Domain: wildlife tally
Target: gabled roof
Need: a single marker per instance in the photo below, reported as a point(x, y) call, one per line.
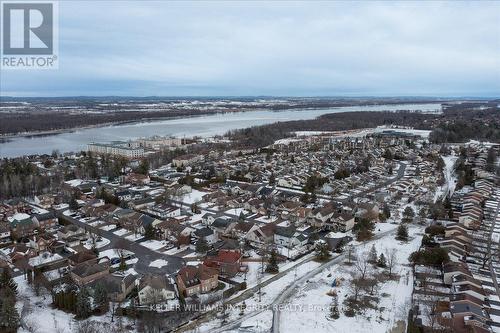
point(155, 281)
point(90, 268)
point(192, 275)
point(204, 232)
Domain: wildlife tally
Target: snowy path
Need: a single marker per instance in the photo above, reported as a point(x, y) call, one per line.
point(450, 178)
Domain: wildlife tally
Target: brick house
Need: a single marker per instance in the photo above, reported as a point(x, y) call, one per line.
point(89, 271)
point(227, 262)
point(194, 280)
point(45, 221)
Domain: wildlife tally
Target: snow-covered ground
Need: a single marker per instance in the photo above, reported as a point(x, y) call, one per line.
point(121, 232)
point(193, 196)
point(37, 314)
point(158, 263)
point(309, 309)
point(108, 227)
point(450, 178)
point(134, 237)
point(98, 244)
point(237, 211)
point(258, 316)
point(153, 244)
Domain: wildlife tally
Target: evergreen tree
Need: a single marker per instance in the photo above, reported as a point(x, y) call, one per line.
point(73, 204)
point(101, 298)
point(143, 167)
point(83, 306)
point(372, 255)
point(334, 308)
point(382, 262)
point(272, 265)
point(9, 317)
point(422, 214)
point(408, 214)
point(194, 208)
point(322, 251)
point(149, 231)
point(272, 179)
point(402, 233)
point(387, 211)
point(7, 282)
point(123, 264)
point(202, 246)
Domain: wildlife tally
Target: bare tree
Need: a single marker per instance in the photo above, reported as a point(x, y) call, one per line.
point(356, 286)
point(351, 256)
point(362, 265)
point(391, 260)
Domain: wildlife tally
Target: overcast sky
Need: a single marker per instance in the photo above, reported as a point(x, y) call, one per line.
point(144, 48)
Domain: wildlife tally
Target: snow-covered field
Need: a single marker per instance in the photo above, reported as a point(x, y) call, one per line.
point(309, 309)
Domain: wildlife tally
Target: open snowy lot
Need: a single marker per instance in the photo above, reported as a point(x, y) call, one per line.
point(311, 303)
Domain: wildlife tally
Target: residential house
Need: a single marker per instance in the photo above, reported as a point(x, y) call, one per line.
point(155, 289)
point(89, 271)
point(194, 280)
point(227, 262)
point(117, 286)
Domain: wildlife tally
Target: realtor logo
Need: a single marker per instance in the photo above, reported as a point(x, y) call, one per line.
point(29, 35)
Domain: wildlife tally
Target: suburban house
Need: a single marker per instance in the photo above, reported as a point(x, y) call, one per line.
point(155, 289)
point(89, 271)
point(342, 222)
point(227, 262)
point(164, 211)
point(194, 280)
point(118, 286)
point(45, 220)
point(289, 237)
point(21, 225)
point(207, 234)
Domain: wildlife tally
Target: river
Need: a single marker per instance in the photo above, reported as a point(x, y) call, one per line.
point(207, 125)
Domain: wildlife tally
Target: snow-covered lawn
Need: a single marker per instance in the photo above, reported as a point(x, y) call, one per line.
point(98, 244)
point(110, 253)
point(108, 227)
point(194, 196)
point(158, 263)
point(134, 237)
point(237, 211)
point(153, 244)
point(175, 250)
point(121, 232)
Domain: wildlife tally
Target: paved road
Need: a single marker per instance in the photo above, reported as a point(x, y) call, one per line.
point(144, 254)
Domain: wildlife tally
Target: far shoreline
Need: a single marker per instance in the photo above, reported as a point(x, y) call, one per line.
point(8, 137)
